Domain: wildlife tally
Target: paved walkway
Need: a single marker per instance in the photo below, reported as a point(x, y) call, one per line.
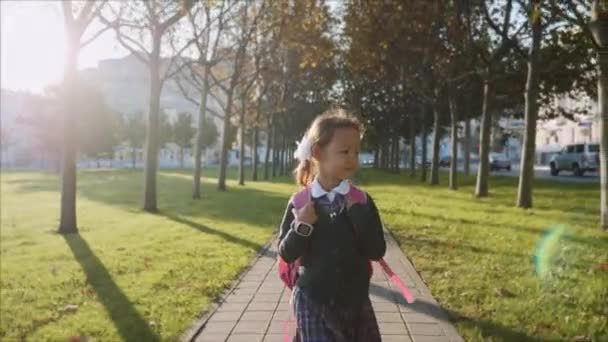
point(257, 306)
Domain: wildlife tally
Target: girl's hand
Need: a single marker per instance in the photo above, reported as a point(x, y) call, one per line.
point(306, 214)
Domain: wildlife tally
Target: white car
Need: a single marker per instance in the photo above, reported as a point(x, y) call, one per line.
point(366, 159)
point(578, 158)
point(498, 161)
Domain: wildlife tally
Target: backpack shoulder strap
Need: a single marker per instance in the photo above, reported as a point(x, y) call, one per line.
point(357, 195)
point(300, 198)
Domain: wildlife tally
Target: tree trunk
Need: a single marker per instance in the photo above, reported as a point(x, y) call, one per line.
point(603, 112)
point(376, 157)
point(242, 144)
point(151, 157)
point(269, 132)
point(396, 157)
point(282, 158)
point(384, 156)
point(181, 157)
point(275, 151)
point(286, 157)
point(221, 182)
point(133, 157)
point(67, 221)
point(467, 146)
point(436, 137)
point(290, 159)
point(481, 189)
point(526, 176)
point(389, 153)
point(254, 148)
point(198, 148)
point(454, 156)
point(412, 146)
point(423, 156)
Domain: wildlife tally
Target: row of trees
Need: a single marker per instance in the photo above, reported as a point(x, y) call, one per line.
point(270, 65)
point(414, 67)
point(407, 68)
point(99, 129)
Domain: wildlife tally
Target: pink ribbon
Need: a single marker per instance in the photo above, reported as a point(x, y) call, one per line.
point(397, 281)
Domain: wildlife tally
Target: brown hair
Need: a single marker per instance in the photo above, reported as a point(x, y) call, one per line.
point(320, 133)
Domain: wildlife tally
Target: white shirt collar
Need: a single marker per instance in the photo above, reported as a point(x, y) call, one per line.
point(316, 190)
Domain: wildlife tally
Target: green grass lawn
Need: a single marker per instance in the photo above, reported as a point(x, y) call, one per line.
point(139, 276)
point(478, 256)
point(135, 276)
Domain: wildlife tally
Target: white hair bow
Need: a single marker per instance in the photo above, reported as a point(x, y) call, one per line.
point(304, 150)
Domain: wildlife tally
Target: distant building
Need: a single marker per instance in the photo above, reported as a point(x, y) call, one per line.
point(124, 83)
point(554, 134)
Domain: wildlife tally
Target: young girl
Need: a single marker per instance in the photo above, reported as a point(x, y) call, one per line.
point(333, 236)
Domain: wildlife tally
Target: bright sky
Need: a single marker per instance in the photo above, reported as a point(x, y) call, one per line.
point(32, 45)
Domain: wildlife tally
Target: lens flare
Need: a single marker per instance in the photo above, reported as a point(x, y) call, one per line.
point(546, 250)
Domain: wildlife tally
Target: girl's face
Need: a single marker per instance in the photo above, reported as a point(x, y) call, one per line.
point(340, 158)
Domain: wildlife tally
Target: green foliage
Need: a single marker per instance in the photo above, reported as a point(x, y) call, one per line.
point(133, 129)
point(210, 132)
point(183, 130)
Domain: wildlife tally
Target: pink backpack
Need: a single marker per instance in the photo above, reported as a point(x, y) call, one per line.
point(289, 271)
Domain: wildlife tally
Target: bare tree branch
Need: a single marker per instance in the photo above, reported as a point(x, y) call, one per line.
point(124, 40)
point(187, 5)
point(86, 13)
point(219, 82)
point(184, 92)
point(97, 34)
point(152, 15)
point(175, 56)
point(194, 101)
point(221, 102)
point(68, 16)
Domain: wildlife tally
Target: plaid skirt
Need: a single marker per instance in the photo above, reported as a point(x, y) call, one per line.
point(333, 323)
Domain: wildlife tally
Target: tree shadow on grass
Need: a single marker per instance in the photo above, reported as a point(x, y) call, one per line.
point(123, 188)
point(208, 230)
point(130, 324)
point(434, 243)
point(600, 242)
point(487, 328)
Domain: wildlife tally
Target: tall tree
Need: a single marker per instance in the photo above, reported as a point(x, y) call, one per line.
point(143, 28)
point(454, 142)
point(77, 18)
point(97, 125)
point(183, 134)
point(250, 13)
point(207, 22)
point(133, 130)
point(524, 196)
point(412, 138)
point(492, 49)
point(593, 29)
point(436, 139)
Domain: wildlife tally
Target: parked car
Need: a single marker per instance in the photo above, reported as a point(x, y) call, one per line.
point(419, 162)
point(498, 161)
point(445, 160)
point(366, 159)
point(578, 158)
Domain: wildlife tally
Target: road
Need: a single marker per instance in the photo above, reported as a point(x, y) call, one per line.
point(543, 172)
